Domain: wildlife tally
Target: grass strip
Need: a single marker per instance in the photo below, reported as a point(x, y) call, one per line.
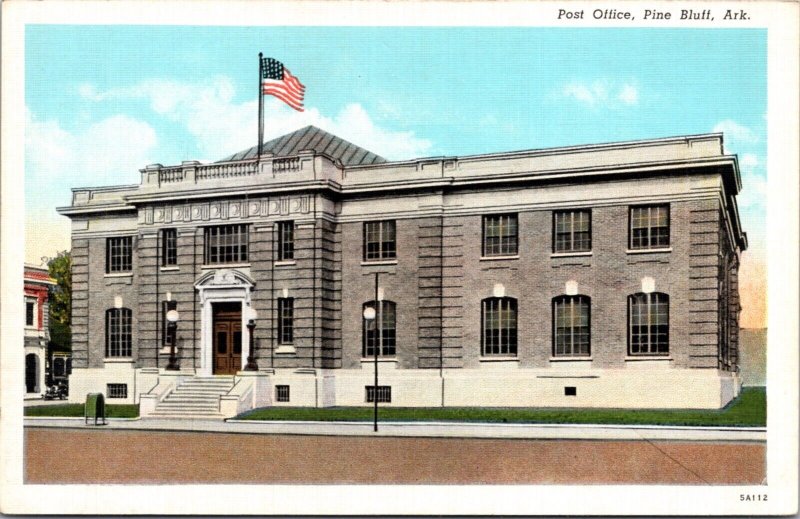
point(112, 411)
point(749, 409)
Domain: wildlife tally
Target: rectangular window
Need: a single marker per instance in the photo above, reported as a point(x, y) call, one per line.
point(117, 390)
point(649, 227)
point(281, 393)
point(572, 231)
point(380, 241)
point(119, 332)
point(385, 335)
point(384, 394)
point(285, 320)
point(29, 309)
point(226, 244)
point(500, 326)
point(169, 247)
point(500, 235)
point(571, 326)
point(166, 306)
point(648, 316)
point(119, 254)
point(285, 241)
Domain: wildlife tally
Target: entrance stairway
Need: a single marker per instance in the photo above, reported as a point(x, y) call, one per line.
point(196, 397)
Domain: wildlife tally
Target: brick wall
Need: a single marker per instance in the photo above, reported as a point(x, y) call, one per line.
point(463, 279)
point(437, 282)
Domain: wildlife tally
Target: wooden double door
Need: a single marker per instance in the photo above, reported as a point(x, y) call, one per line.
point(227, 338)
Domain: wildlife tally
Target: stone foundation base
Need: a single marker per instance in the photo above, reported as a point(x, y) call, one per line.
point(655, 388)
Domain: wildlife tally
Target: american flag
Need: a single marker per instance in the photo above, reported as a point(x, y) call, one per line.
point(276, 80)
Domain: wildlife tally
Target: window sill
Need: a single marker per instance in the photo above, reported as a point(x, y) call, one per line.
point(225, 266)
point(499, 359)
point(285, 263)
point(285, 350)
point(570, 254)
point(169, 269)
point(664, 358)
point(499, 258)
point(118, 274)
point(571, 359)
point(367, 360)
point(118, 360)
point(378, 262)
point(648, 251)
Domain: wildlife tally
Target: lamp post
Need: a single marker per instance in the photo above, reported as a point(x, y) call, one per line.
point(252, 315)
point(370, 314)
point(172, 328)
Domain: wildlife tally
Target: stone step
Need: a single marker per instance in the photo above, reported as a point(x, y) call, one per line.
point(187, 405)
point(195, 398)
point(204, 391)
point(203, 388)
point(190, 396)
point(207, 386)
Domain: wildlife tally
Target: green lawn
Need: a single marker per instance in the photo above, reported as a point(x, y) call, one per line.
point(112, 411)
point(749, 409)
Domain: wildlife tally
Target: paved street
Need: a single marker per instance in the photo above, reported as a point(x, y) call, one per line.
point(119, 455)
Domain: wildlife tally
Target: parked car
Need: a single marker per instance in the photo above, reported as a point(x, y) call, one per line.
point(59, 391)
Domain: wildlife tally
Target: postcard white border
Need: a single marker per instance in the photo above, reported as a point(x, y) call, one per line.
point(780, 18)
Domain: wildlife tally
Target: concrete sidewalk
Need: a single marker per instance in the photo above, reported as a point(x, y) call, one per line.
point(425, 429)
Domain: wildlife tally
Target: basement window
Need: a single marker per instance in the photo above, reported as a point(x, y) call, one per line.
point(570, 391)
point(281, 393)
point(117, 390)
point(384, 394)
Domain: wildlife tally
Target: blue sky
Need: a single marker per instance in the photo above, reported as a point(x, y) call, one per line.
point(104, 101)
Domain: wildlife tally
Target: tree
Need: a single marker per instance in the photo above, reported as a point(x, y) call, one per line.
point(60, 269)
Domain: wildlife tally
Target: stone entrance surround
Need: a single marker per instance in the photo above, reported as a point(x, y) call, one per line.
point(221, 286)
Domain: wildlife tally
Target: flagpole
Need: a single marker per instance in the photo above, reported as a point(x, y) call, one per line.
point(260, 107)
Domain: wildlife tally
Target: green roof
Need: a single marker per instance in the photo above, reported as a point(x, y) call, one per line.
point(312, 138)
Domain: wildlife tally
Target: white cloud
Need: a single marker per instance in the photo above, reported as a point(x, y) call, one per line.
point(605, 93)
point(735, 132)
point(754, 182)
point(110, 151)
point(629, 95)
point(749, 161)
point(754, 192)
point(221, 126)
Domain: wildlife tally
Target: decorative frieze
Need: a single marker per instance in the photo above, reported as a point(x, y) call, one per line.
point(223, 210)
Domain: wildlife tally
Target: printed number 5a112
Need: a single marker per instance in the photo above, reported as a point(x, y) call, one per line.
point(752, 497)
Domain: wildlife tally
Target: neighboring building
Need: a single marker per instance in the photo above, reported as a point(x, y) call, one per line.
point(60, 366)
point(37, 334)
point(601, 275)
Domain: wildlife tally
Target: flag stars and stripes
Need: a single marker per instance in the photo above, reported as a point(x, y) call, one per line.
point(279, 82)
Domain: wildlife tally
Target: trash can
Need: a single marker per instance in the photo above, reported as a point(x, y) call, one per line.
point(95, 408)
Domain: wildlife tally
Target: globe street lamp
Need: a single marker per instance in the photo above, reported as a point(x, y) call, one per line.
point(252, 315)
point(172, 328)
point(370, 314)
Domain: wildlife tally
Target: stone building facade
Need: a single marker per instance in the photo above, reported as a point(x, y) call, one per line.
point(601, 275)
